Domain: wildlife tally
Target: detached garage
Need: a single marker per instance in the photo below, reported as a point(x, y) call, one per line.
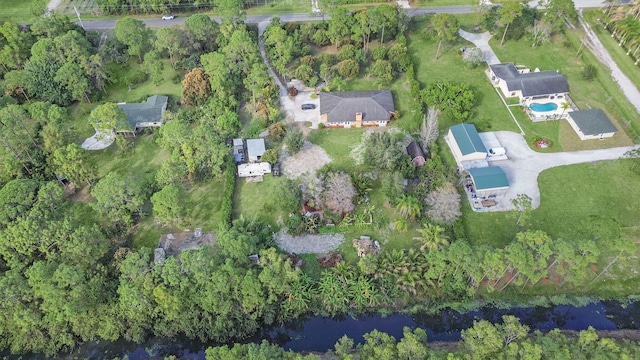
point(489, 181)
point(591, 124)
point(466, 144)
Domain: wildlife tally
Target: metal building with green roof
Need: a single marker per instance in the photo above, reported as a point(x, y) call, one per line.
point(488, 181)
point(466, 144)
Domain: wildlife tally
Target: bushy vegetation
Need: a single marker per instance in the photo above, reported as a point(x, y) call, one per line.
point(70, 267)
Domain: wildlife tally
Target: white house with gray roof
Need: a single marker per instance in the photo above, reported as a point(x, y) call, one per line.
point(356, 109)
point(144, 115)
point(527, 85)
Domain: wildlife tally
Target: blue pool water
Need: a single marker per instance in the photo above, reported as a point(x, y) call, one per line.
point(543, 107)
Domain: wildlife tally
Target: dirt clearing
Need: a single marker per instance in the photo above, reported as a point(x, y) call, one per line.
point(309, 159)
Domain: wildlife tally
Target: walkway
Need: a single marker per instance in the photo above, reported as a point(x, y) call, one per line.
point(481, 40)
point(628, 87)
point(524, 165)
point(98, 141)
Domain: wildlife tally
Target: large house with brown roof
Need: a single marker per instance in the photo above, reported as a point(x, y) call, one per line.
point(356, 109)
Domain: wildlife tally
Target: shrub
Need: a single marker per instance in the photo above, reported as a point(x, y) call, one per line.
point(277, 131)
point(327, 58)
point(307, 60)
point(347, 52)
point(226, 205)
point(136, 77)
point(294, 140)
point(270, 156)
point(379, 53)
point(589, 72)
point(349, 68)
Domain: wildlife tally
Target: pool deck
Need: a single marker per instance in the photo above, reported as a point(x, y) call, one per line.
point(557, 114)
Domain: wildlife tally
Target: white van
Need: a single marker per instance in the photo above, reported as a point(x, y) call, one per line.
point(497, 151)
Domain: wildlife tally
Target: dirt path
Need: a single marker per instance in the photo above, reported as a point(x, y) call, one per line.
point(53, 5)
point(628, 87)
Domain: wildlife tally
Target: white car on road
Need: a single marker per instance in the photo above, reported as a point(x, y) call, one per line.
point(168, 17)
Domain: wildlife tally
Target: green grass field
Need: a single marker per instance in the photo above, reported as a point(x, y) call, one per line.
point(259, 200)
point(15, 11)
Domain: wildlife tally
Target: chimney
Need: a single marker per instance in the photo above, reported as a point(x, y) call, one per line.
point(358, 117)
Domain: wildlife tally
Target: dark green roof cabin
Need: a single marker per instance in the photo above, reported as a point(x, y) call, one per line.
point(466, 143)
point(489, 178)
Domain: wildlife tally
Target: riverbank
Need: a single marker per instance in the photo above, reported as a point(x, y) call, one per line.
point(611, 319)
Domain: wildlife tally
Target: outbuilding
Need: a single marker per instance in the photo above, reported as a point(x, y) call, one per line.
point(417, 155)
point(489, 181)
point(465, 143)
point(255, 149)
point(591, 124)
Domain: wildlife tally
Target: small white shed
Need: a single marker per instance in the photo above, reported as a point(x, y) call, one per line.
point(255, 149)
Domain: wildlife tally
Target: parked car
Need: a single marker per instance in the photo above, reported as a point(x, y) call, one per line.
point(308, 106)
point(168, 17)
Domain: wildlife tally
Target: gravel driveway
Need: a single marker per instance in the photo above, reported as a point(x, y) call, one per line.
point(308, 244)
point(524, 165)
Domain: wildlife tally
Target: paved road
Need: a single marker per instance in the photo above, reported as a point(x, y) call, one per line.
point(256, 19)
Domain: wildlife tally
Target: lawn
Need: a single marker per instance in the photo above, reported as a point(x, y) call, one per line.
point(338, 144)
point(588, 189)
point(118, 91)
point(568, 195)
point(15, 11)
point(489, 113)
point(259, 200)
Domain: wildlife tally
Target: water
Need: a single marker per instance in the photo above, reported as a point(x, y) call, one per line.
point(319, 334)
point(538, 107)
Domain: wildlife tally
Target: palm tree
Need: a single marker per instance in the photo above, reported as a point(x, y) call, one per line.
point(432, 237)
point(409, 206)
point(401, 225)
point(565, 105)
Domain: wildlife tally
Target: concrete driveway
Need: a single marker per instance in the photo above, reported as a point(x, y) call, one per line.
point(524, 165)
point(481, 40)
point(299, 115)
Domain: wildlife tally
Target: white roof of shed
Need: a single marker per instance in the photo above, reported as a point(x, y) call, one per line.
point(255, 147)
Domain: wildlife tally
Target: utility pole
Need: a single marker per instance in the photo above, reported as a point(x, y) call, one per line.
point(79, 19)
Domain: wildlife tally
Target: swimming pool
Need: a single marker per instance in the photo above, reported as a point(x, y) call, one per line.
point(543, 107)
